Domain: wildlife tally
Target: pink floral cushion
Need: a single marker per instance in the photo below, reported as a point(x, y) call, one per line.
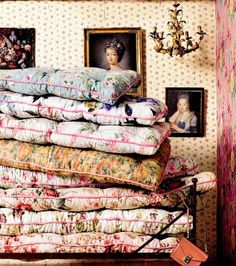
point(141, 220)
point(130, 110)
point(38, 196)
point(80, 134)
point(180, 166)
point(125, 242)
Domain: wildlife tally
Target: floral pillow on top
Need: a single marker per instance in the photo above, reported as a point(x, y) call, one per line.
point(85, 83)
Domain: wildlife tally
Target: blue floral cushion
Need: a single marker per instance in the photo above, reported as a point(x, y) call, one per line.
point(85, 83)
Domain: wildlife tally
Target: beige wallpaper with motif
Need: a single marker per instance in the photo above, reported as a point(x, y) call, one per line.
point(60, 43)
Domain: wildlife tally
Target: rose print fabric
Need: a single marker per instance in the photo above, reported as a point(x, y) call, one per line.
point(11, 177)
point(84, 83)
point(129, 110)
point(180, 166)
point(137, 170)
point(86, 199)
point(114, 139)
point(126, 242)
point(145, 221)
point(92, 198)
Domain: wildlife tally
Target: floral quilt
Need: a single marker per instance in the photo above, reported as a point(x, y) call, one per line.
point(11, 177)
point(84, 83)
point(137, 170)
point(129, 110)
point(126, 242)
point(88, 198)
point(77, 134)
point(94, 198)
point(15, 222)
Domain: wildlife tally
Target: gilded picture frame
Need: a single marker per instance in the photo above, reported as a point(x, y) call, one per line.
point(95, 56)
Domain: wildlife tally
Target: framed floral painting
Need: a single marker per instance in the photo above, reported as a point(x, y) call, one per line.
point(17, 48)
point(127, 42)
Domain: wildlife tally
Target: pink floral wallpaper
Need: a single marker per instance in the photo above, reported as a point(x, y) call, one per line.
point(226, 88)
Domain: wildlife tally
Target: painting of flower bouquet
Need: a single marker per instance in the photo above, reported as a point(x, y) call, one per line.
point(17, 48)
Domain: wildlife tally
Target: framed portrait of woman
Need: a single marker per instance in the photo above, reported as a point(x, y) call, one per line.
point(185, 111)
point(114, 49)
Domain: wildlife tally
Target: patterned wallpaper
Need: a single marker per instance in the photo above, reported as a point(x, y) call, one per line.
point(60, 43)
point(226, 89)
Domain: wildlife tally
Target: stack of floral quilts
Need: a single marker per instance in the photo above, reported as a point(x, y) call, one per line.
point(84, 167)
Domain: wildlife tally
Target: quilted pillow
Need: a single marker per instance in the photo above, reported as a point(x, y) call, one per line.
point(86, 198)
point(143, 221)
point(125, 242)
point(82, 84)
point(205, 181)
point(129, 110)
point(180, 166)
point(137, 170)
point(115, 139)
point(82, 198)
point(11, 177)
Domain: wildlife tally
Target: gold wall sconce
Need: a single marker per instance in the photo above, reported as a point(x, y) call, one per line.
point(178, 42)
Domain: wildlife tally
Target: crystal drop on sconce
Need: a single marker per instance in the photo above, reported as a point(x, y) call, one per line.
point(178, 42)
